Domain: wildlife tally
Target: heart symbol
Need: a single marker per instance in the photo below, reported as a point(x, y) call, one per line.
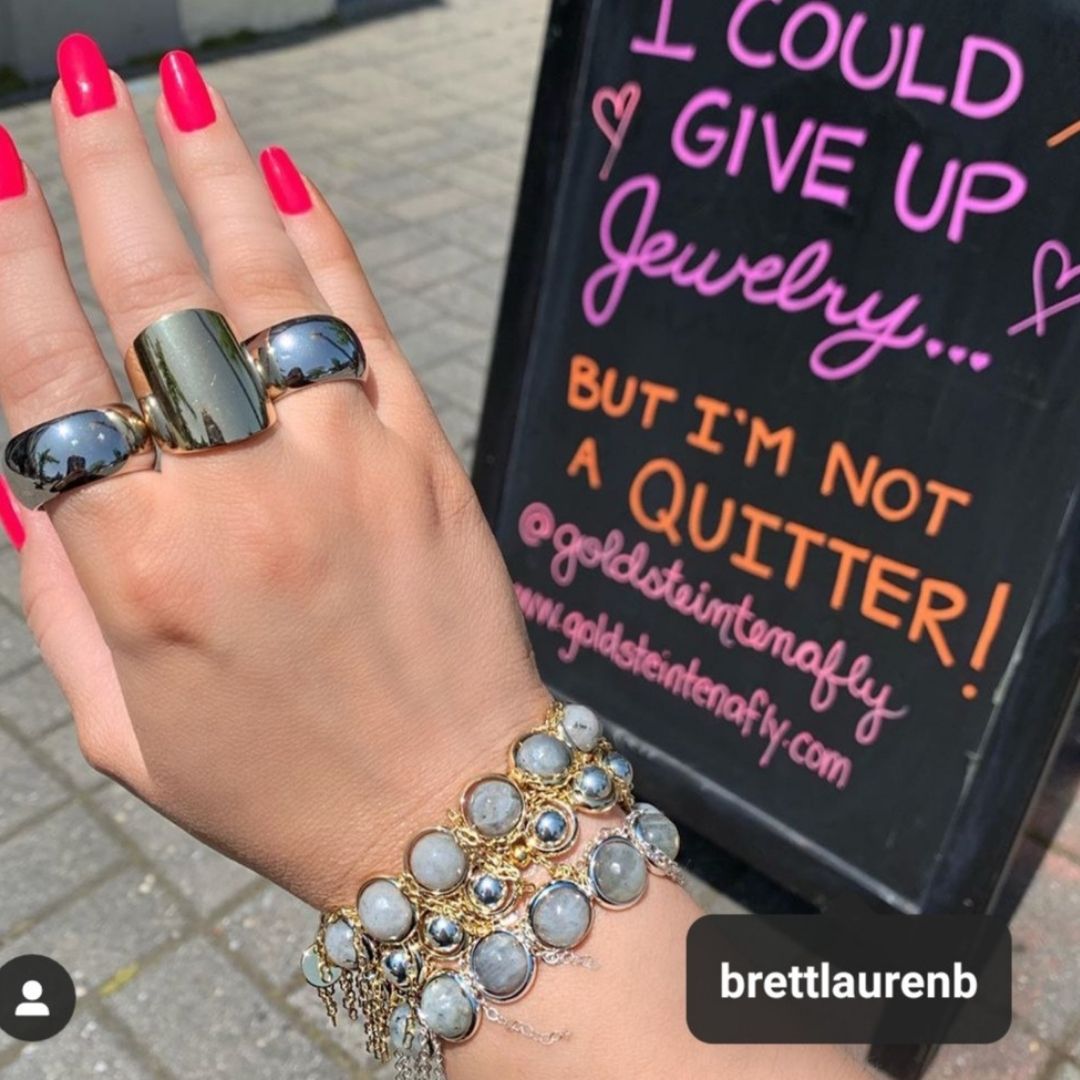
point(934, 348)
point(957, 354)
point(1066, 276)
point(621, 104)
point(980, 361)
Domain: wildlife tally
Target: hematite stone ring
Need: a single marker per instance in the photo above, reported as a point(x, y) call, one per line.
point(301, 352)
point(64, 454)
point(196, 384)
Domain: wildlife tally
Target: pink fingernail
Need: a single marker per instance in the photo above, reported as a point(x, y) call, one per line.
point(285, 182)
point(85, 75)
point(9, 517)
point(185, 92)
point(12, 173)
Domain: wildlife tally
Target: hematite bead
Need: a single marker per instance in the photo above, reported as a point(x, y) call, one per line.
point(581, 727)
point(494, 807)
point(618, 872)
point(542, 755)
point(619, 767)
point(401, 967)
point(448, 1008)
point(502, 965)
point(551, 827)
point(405, 1037)
point(437, 861)
point(594, 788)
point(560, 915)
point(489, 890)
point(655, 829)
point(443, 934)
point(385, 912)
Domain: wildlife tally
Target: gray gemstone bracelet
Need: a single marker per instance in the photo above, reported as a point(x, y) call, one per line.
point(426, 954)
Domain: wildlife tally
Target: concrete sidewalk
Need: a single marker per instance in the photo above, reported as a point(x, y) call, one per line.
point(414, 126)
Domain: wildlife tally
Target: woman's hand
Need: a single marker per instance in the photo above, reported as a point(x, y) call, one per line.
point(298, 647)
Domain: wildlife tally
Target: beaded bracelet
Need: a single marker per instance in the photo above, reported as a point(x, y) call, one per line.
point(424, 955)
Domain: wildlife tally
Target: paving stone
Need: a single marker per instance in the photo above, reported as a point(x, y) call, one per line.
point(33, 702)
point(405, 311)
point(347, 1035)
point(383, 251)
point(466, 302)
point(1046, 944)
point(107, 930)
point(17, 647)
point(10, 588)
point(1019, 1056)
point(205, 877)
point(459, 380)
point(25, 790)
point(272, 916)
point(206, 1020)
point(430, 266)
point(49, 862)
point(427, 346)
point(62, 748)
point(83, 1049)
point(422, 207)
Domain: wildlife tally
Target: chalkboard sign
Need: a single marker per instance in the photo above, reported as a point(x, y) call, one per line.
point(782, 440)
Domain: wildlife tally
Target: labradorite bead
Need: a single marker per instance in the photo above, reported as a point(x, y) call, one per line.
point(560, 915)
point(542, 755)
point(341, 944)
point(581, 726)
point(494, 807)
point(658, 830)
point(385, 912)
point(447, 1008)
point(402, 1040)
point(501, 964)
point(618, 871)
point(437, 861)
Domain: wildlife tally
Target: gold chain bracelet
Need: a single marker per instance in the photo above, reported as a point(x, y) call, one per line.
point(425, 954)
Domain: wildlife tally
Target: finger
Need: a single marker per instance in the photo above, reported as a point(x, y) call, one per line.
point(50, 363)
point(72, 644)
point(335, 269)
point(254, 266)
point(139, 261)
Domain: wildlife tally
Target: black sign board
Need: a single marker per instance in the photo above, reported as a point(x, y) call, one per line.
point(782, 439)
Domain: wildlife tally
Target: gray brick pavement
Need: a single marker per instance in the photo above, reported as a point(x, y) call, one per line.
point(414, 127)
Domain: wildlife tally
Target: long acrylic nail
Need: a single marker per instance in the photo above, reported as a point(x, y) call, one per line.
point(85, 75)
point(12, 173)
point(285, 182)
point(9, 517)
point(185, 92)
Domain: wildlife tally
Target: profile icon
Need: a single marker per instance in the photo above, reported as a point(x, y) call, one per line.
point(31, 1004)
point(37, 998)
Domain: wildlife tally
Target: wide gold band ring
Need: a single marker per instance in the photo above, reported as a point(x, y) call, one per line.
point(196, 385)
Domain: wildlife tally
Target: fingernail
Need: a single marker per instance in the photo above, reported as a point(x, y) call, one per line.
point(9, 517)
point(185, 92)
point(12, 173)
point(85, 75)
point(285, 182)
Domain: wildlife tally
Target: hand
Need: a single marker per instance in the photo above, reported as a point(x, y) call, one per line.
point(299, 647)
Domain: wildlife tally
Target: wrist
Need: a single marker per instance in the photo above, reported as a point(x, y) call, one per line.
point(407, 788)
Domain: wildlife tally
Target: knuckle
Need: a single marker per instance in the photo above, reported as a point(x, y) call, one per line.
point(52, 364)
point(264, 278)
point(95, 750)
point(135, 282)
point(158, 601)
